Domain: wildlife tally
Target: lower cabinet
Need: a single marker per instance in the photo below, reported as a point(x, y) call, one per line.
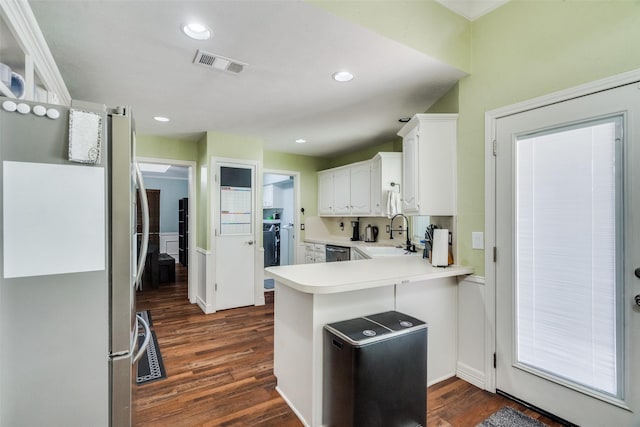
point(314, 252)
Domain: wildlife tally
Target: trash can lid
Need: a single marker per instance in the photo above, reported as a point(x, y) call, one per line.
point(375, 327)
point(395, 320)
point(358, 329)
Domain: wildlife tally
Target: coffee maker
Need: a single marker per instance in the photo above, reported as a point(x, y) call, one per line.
point(356, 230)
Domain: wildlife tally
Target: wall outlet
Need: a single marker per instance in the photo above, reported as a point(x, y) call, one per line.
point(477, 240)
point(302, 227)
point(388, 229)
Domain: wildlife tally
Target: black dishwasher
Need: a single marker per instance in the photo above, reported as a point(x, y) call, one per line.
point(337, 253)
point(375, 372)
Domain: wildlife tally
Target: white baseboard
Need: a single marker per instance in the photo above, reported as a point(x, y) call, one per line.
point(292, 407)
point(206, 308)
point(471, 375)
point(440, 379)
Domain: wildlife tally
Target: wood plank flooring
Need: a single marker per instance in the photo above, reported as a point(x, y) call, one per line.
point(220, 371)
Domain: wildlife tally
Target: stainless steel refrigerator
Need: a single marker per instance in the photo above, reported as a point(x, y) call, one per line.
point(68, 264)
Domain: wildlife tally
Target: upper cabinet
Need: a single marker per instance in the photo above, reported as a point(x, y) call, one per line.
point(358, 189)
point(34, 75)
point(267, 196)
point(386, 168)
point(429, 165)
point(325, 193)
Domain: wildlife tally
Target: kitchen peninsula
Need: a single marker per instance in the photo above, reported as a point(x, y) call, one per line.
point(308, 296)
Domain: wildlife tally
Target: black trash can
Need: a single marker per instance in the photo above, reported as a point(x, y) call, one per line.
point(375, 372)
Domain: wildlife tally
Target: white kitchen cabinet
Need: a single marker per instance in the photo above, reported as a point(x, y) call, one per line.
point(341, 191)
point(314, 253)
point(360, 188)
point(267, 196)
point(325, 193)
point(386, 168)
point(429, 185)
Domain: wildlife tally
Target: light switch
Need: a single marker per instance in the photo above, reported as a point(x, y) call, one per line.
point(477, 240)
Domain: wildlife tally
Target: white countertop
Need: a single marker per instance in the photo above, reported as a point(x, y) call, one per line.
point(335, 277)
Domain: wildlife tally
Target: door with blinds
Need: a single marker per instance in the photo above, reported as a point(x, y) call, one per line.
point(568, 242)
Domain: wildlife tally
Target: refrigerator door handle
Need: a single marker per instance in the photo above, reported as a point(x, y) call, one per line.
point(145, 343)
point(145, 226)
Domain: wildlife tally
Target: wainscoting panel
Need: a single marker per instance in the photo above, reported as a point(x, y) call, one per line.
point(169, 244)
point(204, 258)
point(471, 331)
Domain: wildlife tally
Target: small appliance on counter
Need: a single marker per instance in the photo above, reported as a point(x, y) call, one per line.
point(356, 231)
point(440, 248)
point(371, 233)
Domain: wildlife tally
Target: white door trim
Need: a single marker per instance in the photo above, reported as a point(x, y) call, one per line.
point(491, 118)
point(296, 203)
point(192, 269)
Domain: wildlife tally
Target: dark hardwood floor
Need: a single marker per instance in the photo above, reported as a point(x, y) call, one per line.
point(220, 371)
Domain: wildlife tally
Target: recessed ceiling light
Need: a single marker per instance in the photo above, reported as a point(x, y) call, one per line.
point(342, 76)
point(197, 31)
point(161, 119)
point(301, 141)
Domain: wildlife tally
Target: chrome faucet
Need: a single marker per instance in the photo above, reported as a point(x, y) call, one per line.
point(409, 247)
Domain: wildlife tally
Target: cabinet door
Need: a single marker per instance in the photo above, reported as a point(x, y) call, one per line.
point(341, 192)
point(267, 196)
point(361, 189)
point(376, 187)
point(325, 193)
point(410, 171)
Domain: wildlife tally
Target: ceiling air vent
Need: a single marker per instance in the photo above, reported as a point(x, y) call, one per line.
point(218, 62)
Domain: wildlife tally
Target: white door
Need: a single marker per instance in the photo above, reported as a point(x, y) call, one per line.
point(568, 241)
point(234, 232)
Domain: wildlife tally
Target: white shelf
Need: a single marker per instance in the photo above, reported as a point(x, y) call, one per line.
point(38, 65)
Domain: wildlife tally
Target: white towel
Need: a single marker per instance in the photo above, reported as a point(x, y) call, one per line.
point(85, 136)
point(393, 203)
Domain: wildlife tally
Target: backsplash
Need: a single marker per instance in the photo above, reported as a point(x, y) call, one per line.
point(341, 229)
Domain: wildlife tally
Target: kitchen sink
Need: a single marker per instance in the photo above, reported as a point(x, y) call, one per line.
point(378, 251)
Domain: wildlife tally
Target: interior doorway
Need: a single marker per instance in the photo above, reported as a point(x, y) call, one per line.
point(172, 254)
point(279, 219)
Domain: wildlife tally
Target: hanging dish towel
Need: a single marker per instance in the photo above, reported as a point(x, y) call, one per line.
point(393, 203)
point(85, 136)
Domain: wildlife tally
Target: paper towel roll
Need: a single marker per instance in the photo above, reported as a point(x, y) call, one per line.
point(440, 250)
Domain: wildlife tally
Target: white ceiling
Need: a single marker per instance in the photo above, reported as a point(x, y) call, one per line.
point(133, 53)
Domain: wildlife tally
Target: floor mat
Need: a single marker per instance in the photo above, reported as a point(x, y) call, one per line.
point(509, 417)
point(150, 365)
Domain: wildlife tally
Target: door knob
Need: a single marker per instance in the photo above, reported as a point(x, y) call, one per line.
point(250, 242)
point(637, 298)
point(637, 272)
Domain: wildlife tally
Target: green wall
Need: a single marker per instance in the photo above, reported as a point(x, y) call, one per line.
point(527, 49)
point(521, 50)
point(166, 148)
point(424, 25)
